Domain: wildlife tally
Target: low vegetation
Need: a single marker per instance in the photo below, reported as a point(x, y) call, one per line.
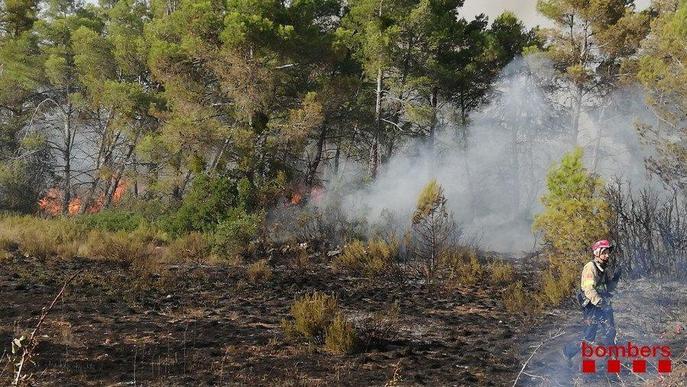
point(462, 267)
point(317, 318)
point(371, 259)
point(501, 273)
point(259, 271)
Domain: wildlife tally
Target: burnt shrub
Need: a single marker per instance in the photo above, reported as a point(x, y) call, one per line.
point(648, 227)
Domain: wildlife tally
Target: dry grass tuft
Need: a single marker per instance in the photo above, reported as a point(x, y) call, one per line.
point(312, 314)
point(516, 299)
point(192, 247)
point(259, 272)
point(558, 285)
point(41, 238)
point(341, 336)
point(371, 260)
point(501, 273)
point(463, 267)
point(317, 318)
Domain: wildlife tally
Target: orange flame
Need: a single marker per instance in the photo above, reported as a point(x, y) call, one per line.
point(119, 191)
point(51, 203)
point(74, 206)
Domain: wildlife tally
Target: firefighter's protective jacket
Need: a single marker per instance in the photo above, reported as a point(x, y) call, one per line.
point(596, 282)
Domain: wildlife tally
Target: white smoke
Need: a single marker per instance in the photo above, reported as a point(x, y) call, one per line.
point(493, 187)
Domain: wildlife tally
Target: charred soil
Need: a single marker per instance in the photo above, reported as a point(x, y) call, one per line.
point(184, 324)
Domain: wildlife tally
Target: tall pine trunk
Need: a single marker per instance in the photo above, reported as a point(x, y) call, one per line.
point(374, 150)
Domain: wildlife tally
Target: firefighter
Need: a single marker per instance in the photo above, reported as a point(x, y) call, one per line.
point(596, 287)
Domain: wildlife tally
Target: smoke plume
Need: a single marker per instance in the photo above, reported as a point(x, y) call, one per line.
point(493, 184)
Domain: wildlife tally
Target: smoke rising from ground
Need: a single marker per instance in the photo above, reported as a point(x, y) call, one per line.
point(493, 187)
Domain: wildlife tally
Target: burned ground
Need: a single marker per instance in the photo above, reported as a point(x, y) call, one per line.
point(190, 325)
point(196, 325)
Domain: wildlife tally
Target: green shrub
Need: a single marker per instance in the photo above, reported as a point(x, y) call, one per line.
point(21, 181)
point(575, 211)
point(204, 207)
point(259, 271)
point(233, 235)
point(374, 259)
point(112, 220)
point(312, 314)
point(341, 336)
point(501, 272)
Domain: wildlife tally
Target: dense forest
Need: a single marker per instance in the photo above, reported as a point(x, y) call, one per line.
point(149, 97)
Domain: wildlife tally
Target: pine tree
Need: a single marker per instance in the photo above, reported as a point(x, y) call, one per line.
point(661, 70)
point(434, 229)
point(587, 45)
point(575, 211)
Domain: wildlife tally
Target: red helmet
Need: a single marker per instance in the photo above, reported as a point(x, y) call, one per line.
point(602, 244)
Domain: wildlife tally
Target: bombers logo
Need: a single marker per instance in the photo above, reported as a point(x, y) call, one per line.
point(637, 354)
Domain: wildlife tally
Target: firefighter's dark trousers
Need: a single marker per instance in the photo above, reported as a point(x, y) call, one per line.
point(599, 328)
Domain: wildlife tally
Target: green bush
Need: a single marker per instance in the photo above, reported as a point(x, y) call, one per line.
point(575, 211)
point(374, 259)
point(112, 220)
point(233, 234)
point(205, 206)
point(21, 183)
